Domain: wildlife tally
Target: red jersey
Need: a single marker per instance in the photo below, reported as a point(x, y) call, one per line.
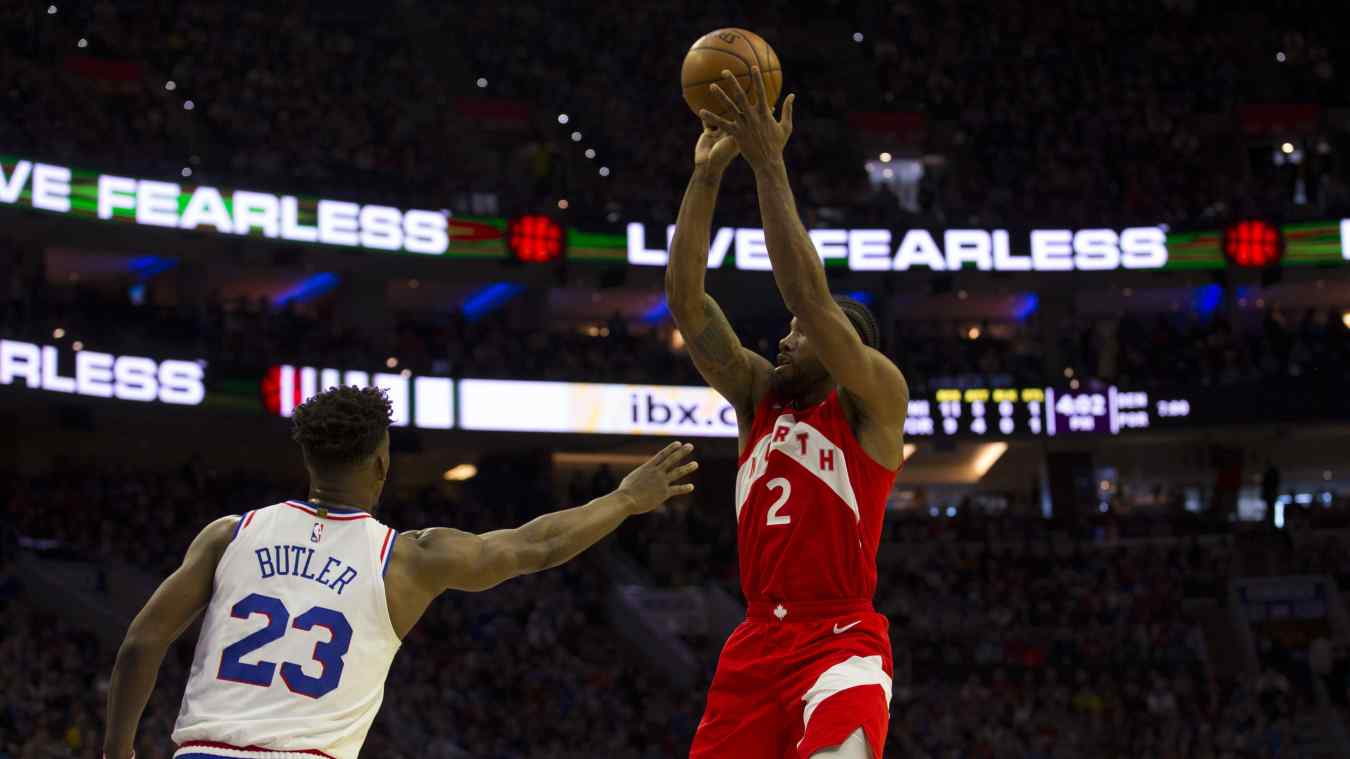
point(810, 504)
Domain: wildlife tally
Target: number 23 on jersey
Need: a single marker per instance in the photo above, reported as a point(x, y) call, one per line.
point(327, 653)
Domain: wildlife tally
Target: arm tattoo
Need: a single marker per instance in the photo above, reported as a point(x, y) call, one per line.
point(717, 343)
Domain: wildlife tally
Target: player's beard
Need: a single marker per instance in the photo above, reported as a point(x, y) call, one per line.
point(793, 380)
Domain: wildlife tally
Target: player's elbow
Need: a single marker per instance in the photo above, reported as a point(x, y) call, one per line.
point(810, 305)
point(141, 645)
point(806, 298)
point(150, 631)
point(481, 578)
point(687, 308)
point(681, 298)
point(538, 555)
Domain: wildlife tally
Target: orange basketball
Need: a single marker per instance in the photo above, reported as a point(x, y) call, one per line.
point(735, 50)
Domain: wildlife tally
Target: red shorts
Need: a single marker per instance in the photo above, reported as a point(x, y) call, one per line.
point(795, 678)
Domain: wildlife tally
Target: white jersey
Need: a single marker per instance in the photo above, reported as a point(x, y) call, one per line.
point(296, 643)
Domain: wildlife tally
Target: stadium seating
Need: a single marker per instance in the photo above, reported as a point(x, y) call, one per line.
point(1024, 121)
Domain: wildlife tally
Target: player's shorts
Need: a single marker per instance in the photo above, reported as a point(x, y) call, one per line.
point(795, 678)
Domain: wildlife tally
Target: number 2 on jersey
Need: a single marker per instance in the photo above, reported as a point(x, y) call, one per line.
point(779, 483)
point(329, 654)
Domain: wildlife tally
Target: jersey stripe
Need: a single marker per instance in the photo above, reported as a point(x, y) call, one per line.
point(387, 550)
point(239, 524)
point(750, 471)
point(241, 750)
point(806, 452)
point(248, 518)
point(331, 508)
point(851, 673)
point(314, 512)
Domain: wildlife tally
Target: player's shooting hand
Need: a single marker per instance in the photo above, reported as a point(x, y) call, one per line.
point(715, 149)
point(759, 135)
point(651, 484)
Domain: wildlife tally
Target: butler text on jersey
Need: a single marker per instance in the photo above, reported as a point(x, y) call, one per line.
point(296, 561)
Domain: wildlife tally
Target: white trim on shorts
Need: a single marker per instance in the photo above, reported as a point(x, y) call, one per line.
point(850, 673)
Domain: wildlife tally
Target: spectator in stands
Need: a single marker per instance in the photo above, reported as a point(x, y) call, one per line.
point(1272, 688)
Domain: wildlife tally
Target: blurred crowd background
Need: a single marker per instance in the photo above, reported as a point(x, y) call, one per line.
point(1015, 112)
point(1084, 652)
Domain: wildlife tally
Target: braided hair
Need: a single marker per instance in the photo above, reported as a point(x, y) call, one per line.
point(861, 318)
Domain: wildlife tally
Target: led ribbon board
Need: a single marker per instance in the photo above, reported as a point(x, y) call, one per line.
point(421, 402)
point(153, 203)
point(94, 374)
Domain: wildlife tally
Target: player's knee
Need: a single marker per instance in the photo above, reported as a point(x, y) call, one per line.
point(854, 747)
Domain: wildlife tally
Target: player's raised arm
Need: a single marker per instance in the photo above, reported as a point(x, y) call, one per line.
point(174, 605)
point(441, 559)
point(869, 376)
point(739, 374)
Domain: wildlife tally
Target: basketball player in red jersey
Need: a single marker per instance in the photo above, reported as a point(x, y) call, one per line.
point(808, 673)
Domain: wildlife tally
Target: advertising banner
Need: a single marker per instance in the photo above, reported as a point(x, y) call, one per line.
point(510, 406)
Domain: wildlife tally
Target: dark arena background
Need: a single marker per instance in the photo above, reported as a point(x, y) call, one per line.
point(1108, 244)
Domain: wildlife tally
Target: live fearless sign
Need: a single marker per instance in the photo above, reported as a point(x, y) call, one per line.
point(152, 203)
point(95, 374)
point(949, 250)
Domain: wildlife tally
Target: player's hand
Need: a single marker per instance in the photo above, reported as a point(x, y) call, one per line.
point(759, 135)
point(651, 484)
point(715, 149)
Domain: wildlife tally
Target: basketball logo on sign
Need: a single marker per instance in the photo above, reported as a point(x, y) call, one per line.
point(316, 532)
point(1253, 243)
point(535, 238)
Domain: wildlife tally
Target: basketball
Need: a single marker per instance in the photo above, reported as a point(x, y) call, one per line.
point(735, 50)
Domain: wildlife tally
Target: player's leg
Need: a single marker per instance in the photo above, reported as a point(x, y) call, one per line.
point(853, 747)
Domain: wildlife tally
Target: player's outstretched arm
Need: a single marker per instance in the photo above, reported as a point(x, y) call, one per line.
point(867, 374)
point(739, 374)
point(174, 605)
point(444, 559)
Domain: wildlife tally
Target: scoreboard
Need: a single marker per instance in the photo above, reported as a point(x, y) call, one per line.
point(981, 411)
point(1047, 411)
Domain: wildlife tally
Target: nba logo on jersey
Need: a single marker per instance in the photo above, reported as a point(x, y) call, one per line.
point(316, 532)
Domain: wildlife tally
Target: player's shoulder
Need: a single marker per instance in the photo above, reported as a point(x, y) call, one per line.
point(887, 399)
point(222, 529)
point(215, 537)
point(433, 541)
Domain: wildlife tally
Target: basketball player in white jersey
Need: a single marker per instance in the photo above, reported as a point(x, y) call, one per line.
point(306, 602)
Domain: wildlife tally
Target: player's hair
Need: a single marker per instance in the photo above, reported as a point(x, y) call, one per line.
point(342, 425)
point(862, 319)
